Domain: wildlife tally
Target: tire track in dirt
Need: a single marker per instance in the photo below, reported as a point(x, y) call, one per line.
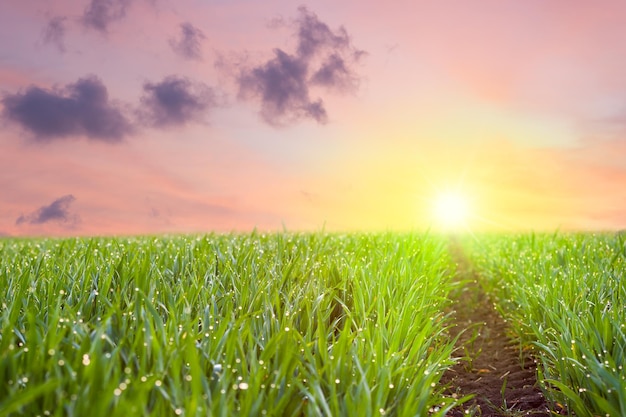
point(503, 380)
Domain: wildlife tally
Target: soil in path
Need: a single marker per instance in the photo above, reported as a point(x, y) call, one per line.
point(502, 380)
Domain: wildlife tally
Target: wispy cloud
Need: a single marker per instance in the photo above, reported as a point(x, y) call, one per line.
point(335, 73)
point(281, 85)
point(58, 211)
point(99, 14)
point(175, 101)
point(189, 45)
point(81, 108)
point(323, 58)
point(54, 32)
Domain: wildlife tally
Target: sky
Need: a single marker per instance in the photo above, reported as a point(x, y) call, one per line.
point(124, 117)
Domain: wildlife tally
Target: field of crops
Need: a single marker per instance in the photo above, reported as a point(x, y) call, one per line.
point(296, 324)
point(222, 325)
point(565, 297)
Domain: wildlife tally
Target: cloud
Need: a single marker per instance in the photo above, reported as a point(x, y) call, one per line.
point(57, 211)
point(54, 32)
point(188, 45)
point(315, 36)
point(99, 14)
point(81, 108)
point(323, 58)
point(175, 101)
point(281, 84)
point(334, 73)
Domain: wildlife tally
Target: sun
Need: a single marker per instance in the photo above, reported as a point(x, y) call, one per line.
point(451, 210)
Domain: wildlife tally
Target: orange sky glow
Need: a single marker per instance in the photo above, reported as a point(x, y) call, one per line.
point(143, 117)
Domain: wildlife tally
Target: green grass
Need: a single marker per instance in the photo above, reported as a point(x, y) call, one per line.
point(313, 324)
point(565, 296)
point(250, 324)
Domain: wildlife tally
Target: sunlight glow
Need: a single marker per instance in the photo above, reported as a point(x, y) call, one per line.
point(451, 210)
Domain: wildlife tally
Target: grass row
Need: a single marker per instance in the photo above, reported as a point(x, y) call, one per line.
point(280, 324)
point(565, 296)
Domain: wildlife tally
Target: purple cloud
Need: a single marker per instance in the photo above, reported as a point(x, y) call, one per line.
point(281, 84)
point(57, 211)
point(54, 32)
point(81, 108)
point(188, 45)
point(334, 73)
point(315, 36)
point(175, 101)
point(323, 58)
point(99, 14)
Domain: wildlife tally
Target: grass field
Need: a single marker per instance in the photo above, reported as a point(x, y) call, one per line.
point(281, 324)
point(565, 297)
point(295, 324)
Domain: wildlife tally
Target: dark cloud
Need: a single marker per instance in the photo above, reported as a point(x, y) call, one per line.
point(82, 108)
point(281, 83)
point(54, 32)
point(57, 211)
point(334, 73)
point(189, 44)
point(315, 36)
point(323, 58)
point(99, 14)
point(175, 101)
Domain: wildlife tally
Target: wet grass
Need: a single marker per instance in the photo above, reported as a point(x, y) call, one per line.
point(564, 296)
point(296, 324)
point(249, 324)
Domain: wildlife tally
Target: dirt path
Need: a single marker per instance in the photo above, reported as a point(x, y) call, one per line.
point(504, 382)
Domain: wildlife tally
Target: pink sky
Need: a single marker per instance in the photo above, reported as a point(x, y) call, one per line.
point(153, 116)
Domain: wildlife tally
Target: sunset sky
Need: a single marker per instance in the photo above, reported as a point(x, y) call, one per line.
point(162, 116)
